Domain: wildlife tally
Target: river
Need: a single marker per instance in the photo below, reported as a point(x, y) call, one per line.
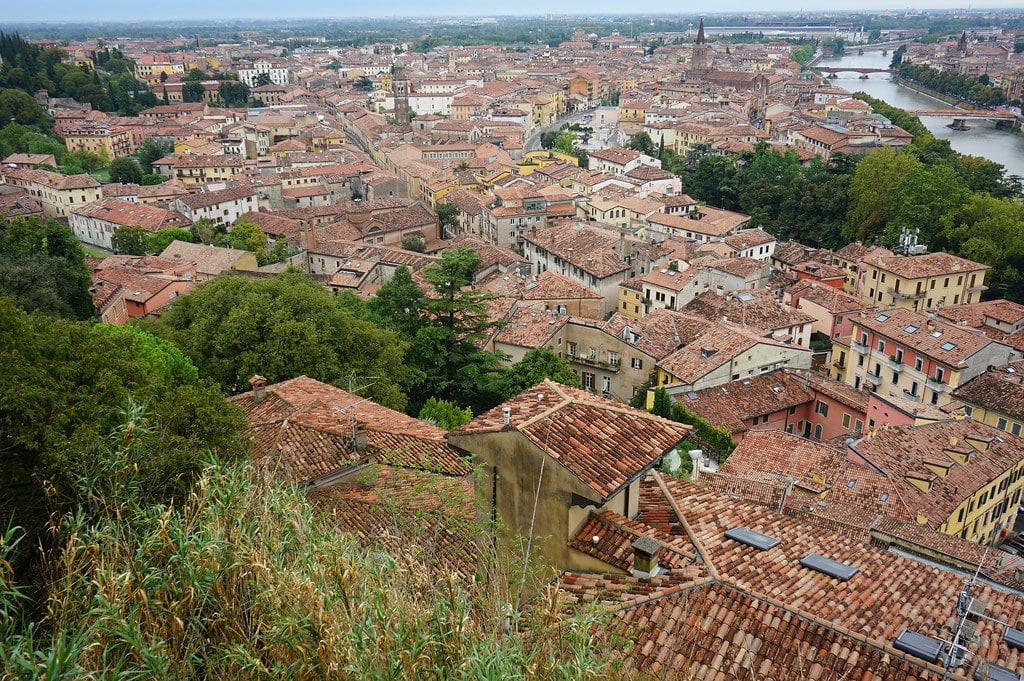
point(981, 140)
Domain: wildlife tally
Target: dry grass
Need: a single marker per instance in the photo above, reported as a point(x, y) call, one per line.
point(244, 581)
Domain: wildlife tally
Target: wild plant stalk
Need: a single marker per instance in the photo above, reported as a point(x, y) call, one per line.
point(244, 580)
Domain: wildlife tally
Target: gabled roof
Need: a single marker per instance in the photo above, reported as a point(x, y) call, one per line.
point(1000, 389)
point(740, 613)
point(604, 443)
point(307, 429)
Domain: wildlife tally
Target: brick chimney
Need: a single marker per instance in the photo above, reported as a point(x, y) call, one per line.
point(259, 388)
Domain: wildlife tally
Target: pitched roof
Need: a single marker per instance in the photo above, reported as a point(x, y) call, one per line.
point(307, 429)
point(905, 452)
point(735, 403)
point(948, 344)
point(1000, 389)
point(741, 613)
point(602, 442)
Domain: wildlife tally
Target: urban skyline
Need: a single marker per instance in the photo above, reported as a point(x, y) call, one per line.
point(65, 11)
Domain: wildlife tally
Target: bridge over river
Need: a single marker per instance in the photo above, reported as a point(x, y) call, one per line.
point(988, 114)
point(835, 70)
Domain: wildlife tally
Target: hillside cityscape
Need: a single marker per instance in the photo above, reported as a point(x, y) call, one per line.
point(570, 346)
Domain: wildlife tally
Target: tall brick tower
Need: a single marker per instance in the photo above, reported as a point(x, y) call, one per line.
point(400, 87)
point(699, 55)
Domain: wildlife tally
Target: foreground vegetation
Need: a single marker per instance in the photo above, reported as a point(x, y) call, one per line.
point(244, 580)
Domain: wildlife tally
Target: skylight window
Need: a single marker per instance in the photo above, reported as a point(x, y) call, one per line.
point(936, 334)
point(910, 329)
point(882, 318)
point(919, 645)
point(1015, 638)
point(948, 346)
point(832, 568)
point(746, 536)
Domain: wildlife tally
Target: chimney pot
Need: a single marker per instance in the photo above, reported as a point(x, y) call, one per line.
point(506, 416)
point(259, 384)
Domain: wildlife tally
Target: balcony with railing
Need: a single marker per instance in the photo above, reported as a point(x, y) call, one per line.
point(906, 295)
point(895, 364)
point(586, 360)
point(859, 347)
point(874, 378)
point(911, 396)
point(936, 384)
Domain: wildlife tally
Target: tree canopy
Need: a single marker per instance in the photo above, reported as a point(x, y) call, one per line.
point(282, 327)
point(42, 268)
point(63, 390)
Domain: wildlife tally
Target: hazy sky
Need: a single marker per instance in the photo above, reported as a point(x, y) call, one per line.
point(129, 10)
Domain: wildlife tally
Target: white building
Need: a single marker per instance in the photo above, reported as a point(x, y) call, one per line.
point(278, 74)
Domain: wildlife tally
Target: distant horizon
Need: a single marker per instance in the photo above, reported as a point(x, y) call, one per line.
point(66, 12)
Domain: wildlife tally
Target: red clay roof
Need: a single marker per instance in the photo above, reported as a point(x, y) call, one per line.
point(602, 442)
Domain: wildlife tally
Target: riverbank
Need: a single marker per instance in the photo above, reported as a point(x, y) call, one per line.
point(917, 87)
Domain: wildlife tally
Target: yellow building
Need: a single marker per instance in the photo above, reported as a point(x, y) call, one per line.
point(919, 282)
point(996, 397)
point(106, 141)
point(958, 477)
point(58, 194)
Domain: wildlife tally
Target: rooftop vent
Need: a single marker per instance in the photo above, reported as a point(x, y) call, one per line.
point(832, 568)
point(749, 537)
point(919, 645)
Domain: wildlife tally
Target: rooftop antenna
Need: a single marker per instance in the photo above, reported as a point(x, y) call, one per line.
point(353, 391)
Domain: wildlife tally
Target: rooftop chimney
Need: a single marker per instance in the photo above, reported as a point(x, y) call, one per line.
point(259, 385)
point(506, 416)
point(645, 557)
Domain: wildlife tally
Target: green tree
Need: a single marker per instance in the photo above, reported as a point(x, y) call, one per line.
point(22, 108)
point(446, 359)
point(42, 268)
point(150, 151)
point(125, 170)
point(161, 239)
point(62, 392)
point(193, 91)
point(643, 143)
point(414, 242)
point(203, 231)
point(362, 83)
point(662, 403)
point(871, 205)
point(78, 162)
point(129, 240)
point(282, 327)
point(398, 304)
point(444, 414)
point(534, 367)
point(448, 216)
point(234, 93)
point(565, 142)
point(245, 236)
point(548, 138)
point(262, 79)
point(921, 198)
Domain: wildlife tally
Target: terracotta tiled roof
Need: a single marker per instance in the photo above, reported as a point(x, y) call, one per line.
point(757, 310)
point(1000, 389)
point(735, 404)
point(902, 452)
point(928, 265)
point(602, 442)
point(948, 344)
point(309, 429)
point(761, 614)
